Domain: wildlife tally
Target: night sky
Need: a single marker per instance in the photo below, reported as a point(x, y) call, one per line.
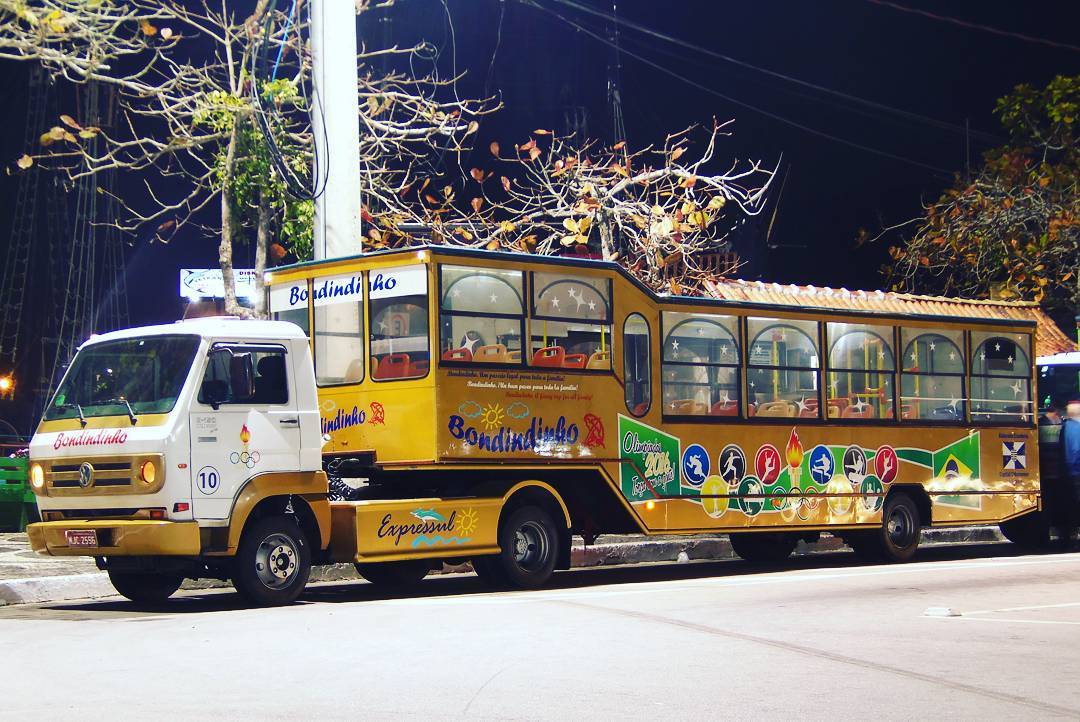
point(858, 47)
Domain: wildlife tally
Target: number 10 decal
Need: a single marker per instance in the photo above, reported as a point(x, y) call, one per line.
point(208, 480)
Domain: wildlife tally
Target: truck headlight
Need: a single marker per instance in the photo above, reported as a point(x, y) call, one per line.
point(37, 476)
point(147, 472)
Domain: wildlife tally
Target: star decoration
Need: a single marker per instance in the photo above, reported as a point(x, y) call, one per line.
point(954, 403)
point(675, 345)
point(723, 350)
point(997, 346)
point(952, 355)
point(803, 406)
point(456, 292)
point(932, 345)
point(1010, 360)
point(859, 406)
point(881, 355)
point(1017, 388)
point(555, 302)
point(752, 384)
point(757, 348)
point(592, 305)
point(700, 331)
point(982, 355)
point(725, 400)
point(494, 298)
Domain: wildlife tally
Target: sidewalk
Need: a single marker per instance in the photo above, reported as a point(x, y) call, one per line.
point(26, 577)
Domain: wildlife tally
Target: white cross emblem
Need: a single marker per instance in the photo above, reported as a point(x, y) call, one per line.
point(1014, 455)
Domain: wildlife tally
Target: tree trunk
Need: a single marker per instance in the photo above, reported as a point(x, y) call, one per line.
point(262, 242)
point(225, 247)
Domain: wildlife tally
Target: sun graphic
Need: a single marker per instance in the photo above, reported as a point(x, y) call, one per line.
point(492, 416)
point(467, 521)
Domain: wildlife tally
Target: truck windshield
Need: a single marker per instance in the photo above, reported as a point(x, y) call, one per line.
point(137, 375)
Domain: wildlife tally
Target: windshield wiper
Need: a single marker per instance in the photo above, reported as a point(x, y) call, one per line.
point(73, 405)
point(121, 400)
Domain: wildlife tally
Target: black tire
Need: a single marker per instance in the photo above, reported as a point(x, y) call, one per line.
point(490, 571)
point(897, 539)
point(529, 541)
point(145, 587)
point(1030, 531)
point(394, 575)
point(273, 562)
point(763, 546)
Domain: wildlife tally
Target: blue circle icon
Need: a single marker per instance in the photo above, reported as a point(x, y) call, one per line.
point(695, 464)
point(821, 464)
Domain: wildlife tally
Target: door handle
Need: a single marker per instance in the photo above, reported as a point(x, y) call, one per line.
point(289, 422)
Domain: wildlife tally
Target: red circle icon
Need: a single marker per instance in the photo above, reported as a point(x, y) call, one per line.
point(886, 464)
point(767, 463)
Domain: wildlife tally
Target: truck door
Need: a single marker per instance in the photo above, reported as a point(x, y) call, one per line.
point(244, 422)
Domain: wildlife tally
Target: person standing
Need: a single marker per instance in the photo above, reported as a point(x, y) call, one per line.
point(1069, 443)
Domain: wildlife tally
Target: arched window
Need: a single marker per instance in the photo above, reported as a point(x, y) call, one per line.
point(637, 369)
point(1001, 377)
point(700, 365)
point(570, 323)
point(482, 316)
point(861, 374)
point(783, 373)
point(932, 375)
point(399, 323)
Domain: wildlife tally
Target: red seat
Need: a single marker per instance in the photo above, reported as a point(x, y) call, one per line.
point(575, 361)
point(640, 409)
point(418, 368)
point(550, 356)
point(724, 408)
point(393, 366)
point(457, 354)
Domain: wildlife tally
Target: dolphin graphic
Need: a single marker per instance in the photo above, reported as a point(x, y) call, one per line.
point(428, 515)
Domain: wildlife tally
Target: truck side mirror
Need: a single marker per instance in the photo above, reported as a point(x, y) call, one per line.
point(213, 392)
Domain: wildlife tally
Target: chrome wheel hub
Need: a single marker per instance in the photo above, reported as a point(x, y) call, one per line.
point(275, 560)
point(530, 546)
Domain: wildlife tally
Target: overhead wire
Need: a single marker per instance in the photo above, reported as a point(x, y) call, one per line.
point(638, 27)
point(735, 101)
point(976, 26)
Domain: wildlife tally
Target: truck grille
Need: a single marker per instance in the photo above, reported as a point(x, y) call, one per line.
point(110, 475)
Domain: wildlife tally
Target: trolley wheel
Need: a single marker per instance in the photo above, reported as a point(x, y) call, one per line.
point(145, 587)
point(898, 537)
point(273, 562)
point(1031, 531)
point(489, 569)
point(529, 541)
point(394, 575)
point(763, 546)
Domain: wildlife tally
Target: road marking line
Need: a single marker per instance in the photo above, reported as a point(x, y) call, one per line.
point(1007, 621)
point(1024, 609)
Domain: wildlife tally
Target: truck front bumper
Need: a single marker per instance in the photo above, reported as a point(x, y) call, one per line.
point(118, 537)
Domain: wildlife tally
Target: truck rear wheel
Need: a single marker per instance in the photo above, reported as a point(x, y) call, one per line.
point(273, 562)
point(529, 542)
point(145, 587)
point(763, 546)
point(1030, 531)
point(394, 575)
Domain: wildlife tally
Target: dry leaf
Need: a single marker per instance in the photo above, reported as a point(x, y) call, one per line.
point(148, 29)
point(505, 183)
point(70, 122)
point(541, 131)
point(494, 148)
point(477, 204)
point(477, 175)
point(24, 162)
point(534, 153)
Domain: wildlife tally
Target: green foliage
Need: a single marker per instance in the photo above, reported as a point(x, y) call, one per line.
point(1014, 230)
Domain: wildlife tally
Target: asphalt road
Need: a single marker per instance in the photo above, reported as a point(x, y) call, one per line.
point(823, 637)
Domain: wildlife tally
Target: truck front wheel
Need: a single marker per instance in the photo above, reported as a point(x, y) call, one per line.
point(145, 587)
point(273, 562)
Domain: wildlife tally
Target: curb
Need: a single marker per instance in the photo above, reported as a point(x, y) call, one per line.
point(627, 550)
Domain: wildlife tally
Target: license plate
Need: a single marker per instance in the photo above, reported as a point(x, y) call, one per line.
point(81, 537)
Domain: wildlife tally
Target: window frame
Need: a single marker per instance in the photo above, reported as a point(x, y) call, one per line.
point(962, 375)
point(368, 316)
point(648, 362)
point(608, 321)
point(1032, 399)
point(523, 319)
point(365, 340)
point(829, 368)
point(738, 366)
point(243, 347)
point(818, 344)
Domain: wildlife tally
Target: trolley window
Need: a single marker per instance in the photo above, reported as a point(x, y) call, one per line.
point(399, 323)
point(482, 316)
point(700, 365)
point(932, 375)
point(339, 329)
point(783, 368)
point(862, 371)
point(570, 324)
point(289, 302)
point(637, 369)
point(1001, 377)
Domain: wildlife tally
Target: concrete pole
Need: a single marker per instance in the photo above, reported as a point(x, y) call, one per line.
point(336, 127)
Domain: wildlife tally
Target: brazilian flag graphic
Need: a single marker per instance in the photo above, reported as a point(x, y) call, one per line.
point(956, 467)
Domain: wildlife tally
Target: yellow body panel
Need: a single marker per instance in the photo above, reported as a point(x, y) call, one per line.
point(526, 421)
point(126, 537)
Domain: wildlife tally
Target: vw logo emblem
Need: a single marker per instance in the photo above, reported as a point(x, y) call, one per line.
point(86, 474)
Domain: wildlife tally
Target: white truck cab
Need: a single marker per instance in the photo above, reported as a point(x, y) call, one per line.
point(159, 438)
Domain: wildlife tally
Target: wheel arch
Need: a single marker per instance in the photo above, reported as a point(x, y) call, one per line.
point(919, 495)
point(544, 495)
point(268, 494)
